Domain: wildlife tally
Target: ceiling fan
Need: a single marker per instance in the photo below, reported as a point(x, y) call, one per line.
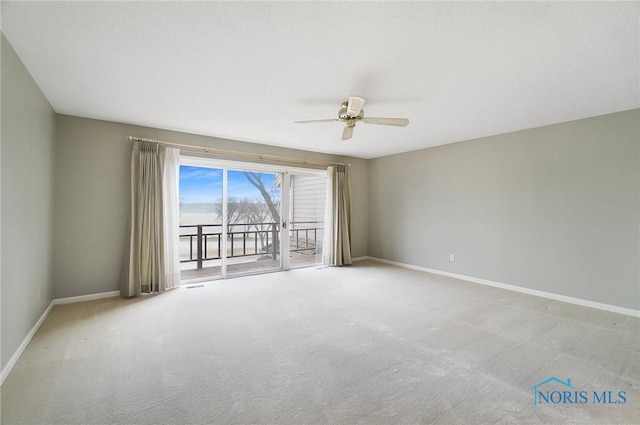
point(351, 112)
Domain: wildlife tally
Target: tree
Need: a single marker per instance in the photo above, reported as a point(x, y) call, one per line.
point(270, 198)
point(237, 210)
point(256, 180)
point(258, 214)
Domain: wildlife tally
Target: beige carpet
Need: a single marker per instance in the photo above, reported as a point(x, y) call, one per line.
point(367, 344)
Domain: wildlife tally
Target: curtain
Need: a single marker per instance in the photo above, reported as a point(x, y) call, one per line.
point(337, 241)
point(153, 262)
point(171, 215)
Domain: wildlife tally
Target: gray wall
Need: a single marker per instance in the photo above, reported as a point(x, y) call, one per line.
point(92, 198)
point(555, 208)
point(28, 131)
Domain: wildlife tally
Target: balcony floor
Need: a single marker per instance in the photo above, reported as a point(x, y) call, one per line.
point(249, 265)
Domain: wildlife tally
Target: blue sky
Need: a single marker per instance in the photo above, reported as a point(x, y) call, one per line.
point(204, 185)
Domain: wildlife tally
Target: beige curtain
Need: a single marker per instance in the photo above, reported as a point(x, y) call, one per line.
point(337, 242)
point(171, 218)
point(152, 249)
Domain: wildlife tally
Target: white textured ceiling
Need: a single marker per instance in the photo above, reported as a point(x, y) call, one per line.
point(245, 71)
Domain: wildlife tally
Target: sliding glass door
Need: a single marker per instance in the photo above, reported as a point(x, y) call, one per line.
point(234, 218)
point(253, 221)
point(308, 193)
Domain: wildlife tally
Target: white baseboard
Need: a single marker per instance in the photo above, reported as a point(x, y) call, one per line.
point(90, 297)
point(27, 339)
point(356, 259)
point(550, 295)
point(14, 359)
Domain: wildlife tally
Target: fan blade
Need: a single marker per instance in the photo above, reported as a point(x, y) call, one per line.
point(398, 122)
point(347, 133)
point(312, 121)
point(355, 105)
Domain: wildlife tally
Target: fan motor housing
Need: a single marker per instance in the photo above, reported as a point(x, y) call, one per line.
point(344, 116)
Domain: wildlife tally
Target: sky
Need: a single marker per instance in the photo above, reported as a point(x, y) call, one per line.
point(204, 185)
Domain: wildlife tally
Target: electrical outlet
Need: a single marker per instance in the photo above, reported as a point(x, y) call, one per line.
point(452, 257)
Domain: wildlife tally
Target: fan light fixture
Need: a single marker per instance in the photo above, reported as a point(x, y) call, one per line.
point(354, 106)
point(351, 112)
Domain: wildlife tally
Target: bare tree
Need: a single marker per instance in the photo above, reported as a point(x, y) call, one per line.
point(237, 210)
point(256, 180)
point(271, 201)
point(260, 217)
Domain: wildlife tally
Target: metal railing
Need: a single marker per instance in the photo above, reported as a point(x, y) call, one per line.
point(307, 228)
point(248, 239)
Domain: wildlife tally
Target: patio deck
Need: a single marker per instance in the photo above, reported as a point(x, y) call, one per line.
point(250, 265)
point(248, 250)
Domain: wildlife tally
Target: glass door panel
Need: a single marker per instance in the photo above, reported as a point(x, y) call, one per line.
point(253, 221)
point(306, 219)
point(200, 222)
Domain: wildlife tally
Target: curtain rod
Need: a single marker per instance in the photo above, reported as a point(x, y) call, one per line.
point(232, 153)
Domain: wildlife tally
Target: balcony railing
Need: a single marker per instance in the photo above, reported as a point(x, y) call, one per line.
point(247, 239)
